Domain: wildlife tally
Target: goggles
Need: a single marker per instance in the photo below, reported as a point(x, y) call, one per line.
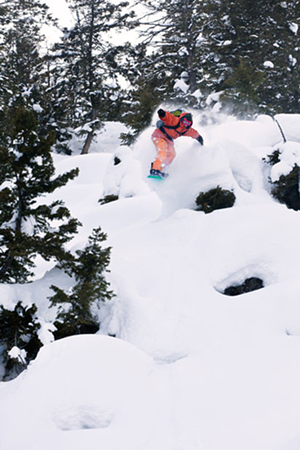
point(186, 123)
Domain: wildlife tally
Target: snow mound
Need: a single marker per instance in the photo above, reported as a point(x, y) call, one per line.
point(75, 384)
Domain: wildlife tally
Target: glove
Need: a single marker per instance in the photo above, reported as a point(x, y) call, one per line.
point(161, 113)
point(200, 139)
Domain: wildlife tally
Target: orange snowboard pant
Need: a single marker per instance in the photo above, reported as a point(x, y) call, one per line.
point(165, 150)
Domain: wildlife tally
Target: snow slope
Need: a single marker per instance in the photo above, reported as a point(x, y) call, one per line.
point(176, 365)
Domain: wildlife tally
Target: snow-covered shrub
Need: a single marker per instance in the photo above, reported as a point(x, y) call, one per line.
point(108, 199)
point(274, 158)
point(284, 174)
point(286, 189)
point(216, 198)
point(19, 337)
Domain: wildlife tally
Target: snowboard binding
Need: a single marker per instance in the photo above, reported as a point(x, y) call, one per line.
point(154, 173)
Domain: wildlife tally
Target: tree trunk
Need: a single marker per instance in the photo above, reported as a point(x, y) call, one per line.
point(193, 81)
point(7, 263)
point(87, 143)
point(90, 134)
point(89, 137)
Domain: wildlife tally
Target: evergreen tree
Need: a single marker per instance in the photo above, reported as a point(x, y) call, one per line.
point(144, 93)
point(88, 268)
point(22, 69)
point(88, 66)
point(280, 91)
point(241, 89)
point(176, 34)
point(172, 43)
point(27, 173)
point(254, 49)
point(26, 166)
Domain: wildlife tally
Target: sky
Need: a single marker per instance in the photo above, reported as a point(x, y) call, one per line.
point(176, 364)
point(60, 10)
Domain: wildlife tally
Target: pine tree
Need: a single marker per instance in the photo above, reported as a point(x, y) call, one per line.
point(280, 91)
point(26, 165)
point(27, 173)
point(88, 66)
point(88, 267)
point(172, 43)
point(144, 93)
point(241, 89)
point(176, 34)
point(254, 44)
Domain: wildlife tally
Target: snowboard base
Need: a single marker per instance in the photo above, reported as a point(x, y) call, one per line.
point(156, 177)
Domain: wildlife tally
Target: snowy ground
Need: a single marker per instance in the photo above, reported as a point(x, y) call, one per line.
point(189, 368)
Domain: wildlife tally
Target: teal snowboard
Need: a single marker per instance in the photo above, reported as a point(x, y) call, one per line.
point(156, 177)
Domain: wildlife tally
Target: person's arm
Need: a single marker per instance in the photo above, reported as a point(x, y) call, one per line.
point(167, 118)
point(195, 135)
point(200, 139)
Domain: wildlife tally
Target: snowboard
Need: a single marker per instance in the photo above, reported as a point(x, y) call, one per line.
point(163, 176)
point(156, 177)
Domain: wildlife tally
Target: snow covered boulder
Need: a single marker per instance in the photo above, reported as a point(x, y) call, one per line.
point(284, 175)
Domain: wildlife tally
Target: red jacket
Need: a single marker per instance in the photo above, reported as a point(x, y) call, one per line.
point(172, 127)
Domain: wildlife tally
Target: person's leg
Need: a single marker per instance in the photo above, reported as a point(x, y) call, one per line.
point(165, 153)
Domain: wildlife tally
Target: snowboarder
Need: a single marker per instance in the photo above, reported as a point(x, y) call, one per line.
point(170, 126)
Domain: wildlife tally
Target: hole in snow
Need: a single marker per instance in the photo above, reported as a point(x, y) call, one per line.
point(249, 285)
point(247, 279)
point(82, 418)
